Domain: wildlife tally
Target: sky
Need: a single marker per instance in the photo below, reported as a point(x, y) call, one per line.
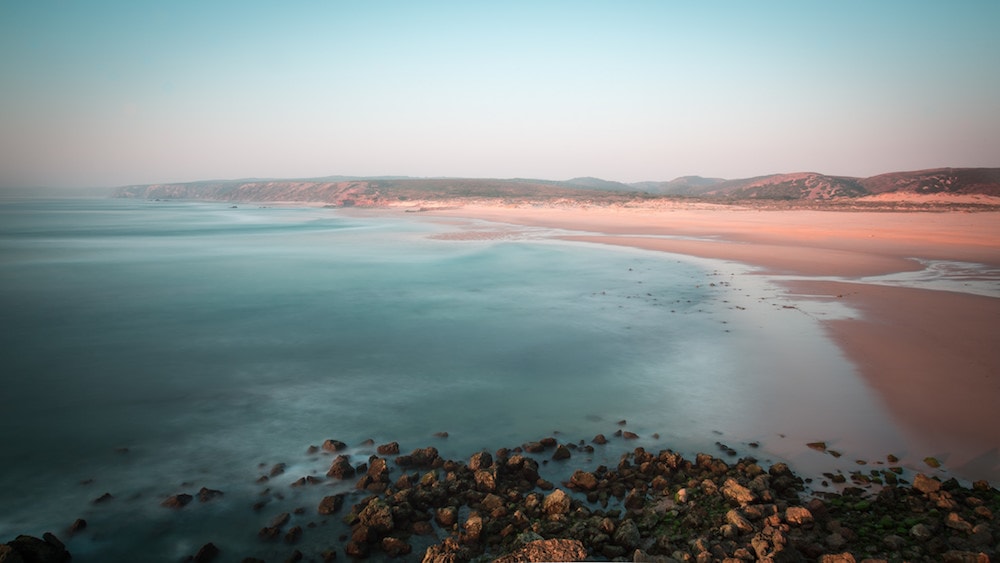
point(111, 93)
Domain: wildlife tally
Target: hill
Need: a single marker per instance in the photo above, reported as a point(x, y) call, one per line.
point(382, 191)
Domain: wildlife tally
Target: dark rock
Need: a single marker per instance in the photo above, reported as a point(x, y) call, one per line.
point(78, 525)
point(600, 439)
point(207, 553)
point(562, 452)
point(392, 448)
point(423, 458)
point(29, 549)
point(583, 481)
point(307, 480)
point(627, 535)
point(177, 501)
point(331, 504)
point(206, 494)
point(377, 516)
point(341, 468)
point(106, 497)
point(294, 534)
point(334, 446)
point(395, 547)
point(480, 460)
point(630, 435)
point(277, 469)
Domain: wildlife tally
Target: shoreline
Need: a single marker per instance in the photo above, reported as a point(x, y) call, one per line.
point(928, 354)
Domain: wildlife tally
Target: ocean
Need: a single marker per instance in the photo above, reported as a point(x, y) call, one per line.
point(156, 347)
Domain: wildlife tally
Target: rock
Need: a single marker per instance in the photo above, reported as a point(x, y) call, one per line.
point(106, 497)
point(473, 527)
point(392, 448)
point(630, 435)
point(177, 501)
point(627, 535)
point(925, 484)
point(277, 469)
point(8, 555)
point(378, 470)
point(207, 553)
point(294, 534)
point(486, 480)
point(845, 557)
point(600, 439)
point(341, 468)
point(582, 480)
point(331, 504)
point(562, 452)
point(78, 525)
point(377, 516)
point(921, 532)
point(424, 458)
point(956, 522)
point(307, 480)
point(280, 520)
point(446, 516)
point(395, 547)
point(556, 503)
point(334, 446)
point(480, 460)
point(29, 549)
point(206, 494)
point(956, 556)
point(547, 550)
point(737, 493)
point(739, 521)
point(798, 516)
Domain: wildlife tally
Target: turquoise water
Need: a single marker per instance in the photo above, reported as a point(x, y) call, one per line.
point(152, 348)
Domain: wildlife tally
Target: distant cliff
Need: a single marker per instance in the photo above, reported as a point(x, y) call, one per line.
point(375, 192)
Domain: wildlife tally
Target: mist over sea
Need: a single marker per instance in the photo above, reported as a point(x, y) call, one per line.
point(154, 348)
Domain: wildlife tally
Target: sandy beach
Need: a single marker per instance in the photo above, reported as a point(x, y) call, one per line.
point(931, 355)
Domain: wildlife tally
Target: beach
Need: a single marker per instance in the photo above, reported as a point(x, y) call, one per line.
point(931, 355)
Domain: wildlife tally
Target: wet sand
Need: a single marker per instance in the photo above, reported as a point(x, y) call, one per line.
point(933, 356)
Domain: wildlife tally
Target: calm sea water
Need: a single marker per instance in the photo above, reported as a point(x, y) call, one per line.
point(152, 348)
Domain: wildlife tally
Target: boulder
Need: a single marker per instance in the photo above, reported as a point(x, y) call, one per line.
point(556, 503)
point(798, 516)
point(377, 516)
point(331, 504)
point(206, 494)
point(395, 547)
point(30, 549)
point(583, 481)
point(333, 446)
point(562, 452)
point(627, 535)
point(207, 553)
point(737, 493)
point(341, 468)
point(481, 460)
point(925, 484)
point(547, 550)
point(600, 439)
point(392, 448)
point(177, 501)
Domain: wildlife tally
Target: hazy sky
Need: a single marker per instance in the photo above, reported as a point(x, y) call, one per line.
point(104, 93)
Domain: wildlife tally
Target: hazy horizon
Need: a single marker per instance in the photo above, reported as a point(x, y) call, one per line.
point(106, 94)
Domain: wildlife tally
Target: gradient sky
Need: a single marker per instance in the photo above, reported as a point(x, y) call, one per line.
point(104, 93)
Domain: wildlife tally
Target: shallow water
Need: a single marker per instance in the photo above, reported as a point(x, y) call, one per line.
point(152, 348)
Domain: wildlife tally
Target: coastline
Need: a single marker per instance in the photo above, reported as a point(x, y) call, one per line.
point(929, 355)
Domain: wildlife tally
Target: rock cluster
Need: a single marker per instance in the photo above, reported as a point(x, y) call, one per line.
point(649, 507)
point(658, 507)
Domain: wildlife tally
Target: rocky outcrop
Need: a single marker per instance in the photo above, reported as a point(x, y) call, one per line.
point(29, 549)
